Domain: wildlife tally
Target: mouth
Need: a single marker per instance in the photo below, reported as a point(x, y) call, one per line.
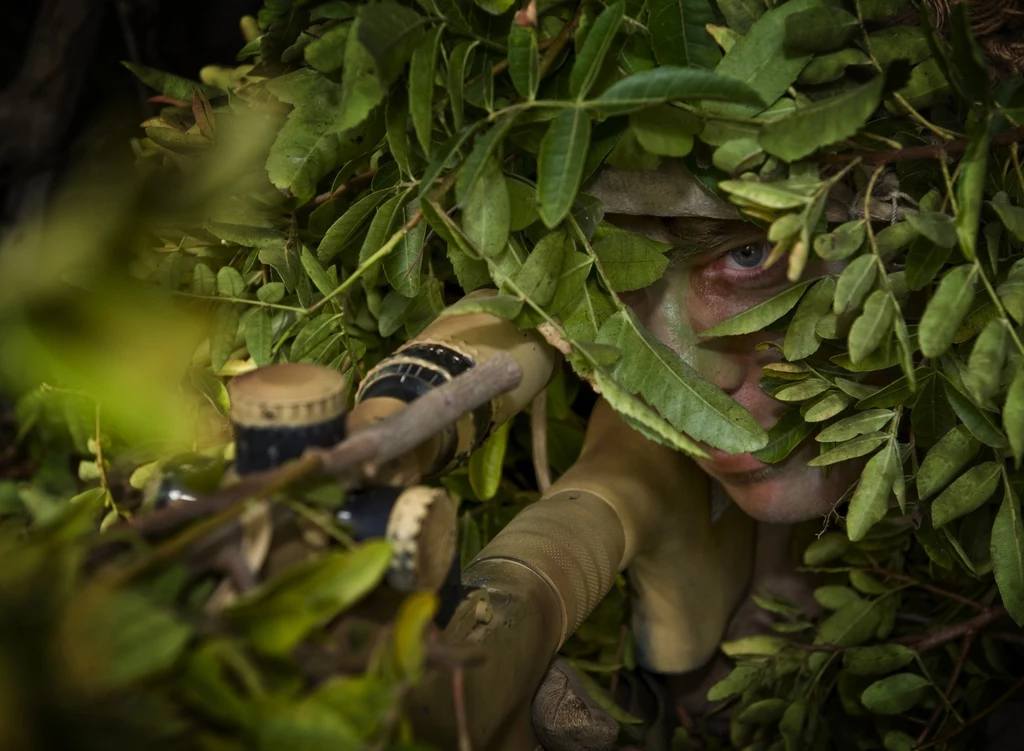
point(745, 469)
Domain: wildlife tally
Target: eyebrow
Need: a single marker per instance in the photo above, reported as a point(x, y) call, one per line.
point(690, 236)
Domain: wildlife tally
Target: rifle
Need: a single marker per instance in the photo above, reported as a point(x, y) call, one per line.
point(627, 504)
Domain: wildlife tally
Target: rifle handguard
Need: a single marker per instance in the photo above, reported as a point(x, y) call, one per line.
point(627, 502)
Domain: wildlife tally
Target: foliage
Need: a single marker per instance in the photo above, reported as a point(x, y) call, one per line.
point(416, 152)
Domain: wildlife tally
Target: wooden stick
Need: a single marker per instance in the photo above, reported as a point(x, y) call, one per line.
point(360, 454)
point(926, 151)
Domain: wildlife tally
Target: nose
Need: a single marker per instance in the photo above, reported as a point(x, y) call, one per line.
point(734, 365)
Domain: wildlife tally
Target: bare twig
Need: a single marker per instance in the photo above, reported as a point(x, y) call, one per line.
point(362, 452)
point(940, 637)
point(928, 587)
point(965, 647)
point(356, 183)
point(927, 151)
point(560, 40)
point(539, 440)
point(980, 716)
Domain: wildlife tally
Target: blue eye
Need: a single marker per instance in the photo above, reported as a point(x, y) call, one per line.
point(749, 256)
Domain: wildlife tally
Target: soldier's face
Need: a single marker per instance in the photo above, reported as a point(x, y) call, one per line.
point(723, 275)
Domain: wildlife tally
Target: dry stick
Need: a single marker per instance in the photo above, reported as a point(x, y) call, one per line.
point(356, 182)
point(940, 637)
point(928, 151)
point(539, 440)
point(980, 716)
point(364, 449)
point(929, 587)
point(965, 647)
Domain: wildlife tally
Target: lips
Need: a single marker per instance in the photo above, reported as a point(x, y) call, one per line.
point(746, 469)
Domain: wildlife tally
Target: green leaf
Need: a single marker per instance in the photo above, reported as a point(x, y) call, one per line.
point(872, 327)
point(970, 189)
point(980, 425)
point(854, 283)
point(945, 460)
point(316, 272)
point(642, 418)
point(871, 498)
point(894, 695)
point(932, 416)
point(485, 464)
point(1013, 416)
point(522, 204)
point(826, 407)
point(272, 292)
point(381, 227)
point(669, 83)
point(422, 69)
point(457, 76)
point(560, 164)
point(346, 228)
point(485, 151)
point(630, 260)
point(523, 60)
point(396, 120)
point(851, 449)
point(968, 65)
point(403, 266)
point(222, 337)
point(801, 339)
point(739, 680)
point(802, 391)
point(495, 7)
point(924, 261)
point(590, 58)
point(939, 228)
point(877, 660)
point(1007, 551)
point(739, 155)
point(538, 278)
point(763, 712)
point(203, 280)
point(230, 282)
point(851, 427)
point(692, 405)
point(842, 243)
point(170, 85)
point(968, 492)
point(762, 314)
point(946, 310)
point(785, 435)
point(280, 613)
point(664, 130)
point(833, 597)
point(828, 547)
point(259, 339)
point(505, 307)
point(822, 29)
point(985, 366)
point(852, 624)
point(757, 645)
point(758, 59)
point(822, 123)
point(327, 53)
point(678, 34)
point(316, 136)
point(779, 194)
point(1011, 216)
point(394, 312)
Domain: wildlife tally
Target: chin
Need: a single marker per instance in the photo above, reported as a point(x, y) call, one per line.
point(788, 492)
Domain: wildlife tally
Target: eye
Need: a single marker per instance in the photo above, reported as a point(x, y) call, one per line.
point(748, 257)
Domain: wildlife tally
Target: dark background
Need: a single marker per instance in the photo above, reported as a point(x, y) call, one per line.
point(64, 96)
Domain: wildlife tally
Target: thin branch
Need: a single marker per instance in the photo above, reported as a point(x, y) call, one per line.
point(356, 183)
point(363, 450)
point(926, 151)
point(539, 440)
point(940, 637)
point(561, 39)
point(965, 647)
point(929, 587)
point(980, 716)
